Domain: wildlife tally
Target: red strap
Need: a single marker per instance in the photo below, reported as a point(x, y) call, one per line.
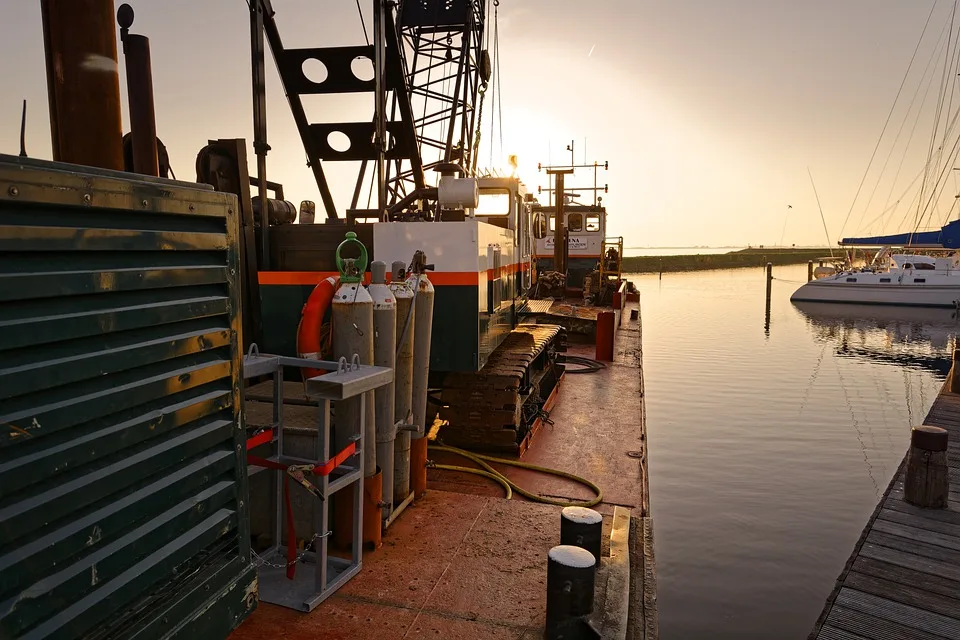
point(327, 467)
point(259, 439)
point(291, 532)
point(319, 470)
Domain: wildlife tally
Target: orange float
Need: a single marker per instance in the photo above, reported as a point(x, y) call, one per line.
point(309, 339)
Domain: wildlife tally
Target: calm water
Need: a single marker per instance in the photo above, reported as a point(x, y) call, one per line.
point(676, 251)
point(769, 450)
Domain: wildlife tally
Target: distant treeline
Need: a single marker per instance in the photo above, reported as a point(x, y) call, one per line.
point(743, 258)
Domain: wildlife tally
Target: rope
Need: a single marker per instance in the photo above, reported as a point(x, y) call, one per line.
point(783, 280)
point(510, 486)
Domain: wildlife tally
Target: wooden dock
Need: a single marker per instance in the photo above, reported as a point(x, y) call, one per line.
point(903, 578)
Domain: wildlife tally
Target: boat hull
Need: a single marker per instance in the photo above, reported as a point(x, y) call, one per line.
point(910, 295)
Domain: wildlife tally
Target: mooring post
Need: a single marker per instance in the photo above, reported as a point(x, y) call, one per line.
point(766, 316)
point(955, 372)
point(809, 270)
point(570, 586)
point(927, 482)
point(582, 527)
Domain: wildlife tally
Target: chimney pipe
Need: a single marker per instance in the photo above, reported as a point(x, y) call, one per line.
point(143, 124)
point(83, 83)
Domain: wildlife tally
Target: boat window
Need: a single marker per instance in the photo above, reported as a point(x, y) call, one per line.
point(919, 279)
point(575, 222)
point(908, 265)
point(924, 265)
point(884, 279)
point(851, 279)
point(495, 202)
point(593, 223)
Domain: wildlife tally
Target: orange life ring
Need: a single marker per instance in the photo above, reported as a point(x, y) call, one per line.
point(309, 340)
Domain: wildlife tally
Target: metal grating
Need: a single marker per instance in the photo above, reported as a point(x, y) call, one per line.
point(122, 471)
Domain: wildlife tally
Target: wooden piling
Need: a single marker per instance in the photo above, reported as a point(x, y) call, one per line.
point(809, 270)
point(926, 483)
point(766, 320)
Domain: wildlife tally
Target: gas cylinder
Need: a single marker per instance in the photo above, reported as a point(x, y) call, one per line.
point(423, 325)
point(352, 312)
point(384, 355)
point(403, 379)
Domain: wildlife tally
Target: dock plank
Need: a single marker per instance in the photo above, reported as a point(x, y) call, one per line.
point(873, 628)
point(903, 578)
point(911, 531)
point(898, 591)
point(936, 585)
point(910, 519)
point(906, 545)
point(833, 633)
point(948, 516)
point(910, 561)
point(898, 613)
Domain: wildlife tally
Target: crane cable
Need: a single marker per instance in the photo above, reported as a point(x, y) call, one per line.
point(511, 487)
point(495, 81)
point(363, 24)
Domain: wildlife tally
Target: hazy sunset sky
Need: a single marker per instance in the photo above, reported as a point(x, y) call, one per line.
point(708, 111)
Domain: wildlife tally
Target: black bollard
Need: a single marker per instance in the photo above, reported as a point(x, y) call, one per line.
point(570, 585)
point(582, 527)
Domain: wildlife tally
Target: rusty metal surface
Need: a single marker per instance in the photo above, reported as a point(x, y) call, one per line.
point(467, 580)
point(143, 123)
point(121, 462)
point(83, 83)
point(480, 561)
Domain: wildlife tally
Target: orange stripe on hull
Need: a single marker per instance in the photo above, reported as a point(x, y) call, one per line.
point(572, 255)
point(315, 277)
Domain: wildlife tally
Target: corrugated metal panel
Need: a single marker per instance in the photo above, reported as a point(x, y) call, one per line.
point(122, 470)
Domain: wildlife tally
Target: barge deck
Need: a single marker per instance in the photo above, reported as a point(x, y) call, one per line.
point(903, 578)
point(463, 562)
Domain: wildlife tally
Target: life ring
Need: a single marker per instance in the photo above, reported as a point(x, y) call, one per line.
point(309, 340)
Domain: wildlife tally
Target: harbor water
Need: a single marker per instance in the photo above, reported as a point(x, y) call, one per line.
point(771, 442)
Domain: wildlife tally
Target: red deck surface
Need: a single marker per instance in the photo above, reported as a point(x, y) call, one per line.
point(465, 563)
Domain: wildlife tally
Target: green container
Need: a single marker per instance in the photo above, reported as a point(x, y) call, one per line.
point(123, 483)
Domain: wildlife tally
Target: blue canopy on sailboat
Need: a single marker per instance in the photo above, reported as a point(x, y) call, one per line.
point(948, 237)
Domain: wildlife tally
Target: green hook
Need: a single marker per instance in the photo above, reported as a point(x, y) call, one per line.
point(352, 269)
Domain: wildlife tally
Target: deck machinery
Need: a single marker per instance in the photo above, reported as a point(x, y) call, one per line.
point(430, 70)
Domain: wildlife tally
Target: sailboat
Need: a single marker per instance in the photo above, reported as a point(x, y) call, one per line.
point(906, 279)
point(917, 268)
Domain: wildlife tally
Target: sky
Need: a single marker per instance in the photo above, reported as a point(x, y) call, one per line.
point(709, 113)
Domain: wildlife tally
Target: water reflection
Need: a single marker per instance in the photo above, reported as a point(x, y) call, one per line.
point(768, 450)
point(915, 337)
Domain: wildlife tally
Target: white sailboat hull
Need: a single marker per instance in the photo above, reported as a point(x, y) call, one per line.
point(935, 290)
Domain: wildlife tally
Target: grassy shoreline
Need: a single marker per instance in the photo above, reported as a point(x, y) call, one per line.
point(734, 259)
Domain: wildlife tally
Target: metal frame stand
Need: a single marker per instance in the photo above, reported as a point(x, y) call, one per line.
point(306, 590)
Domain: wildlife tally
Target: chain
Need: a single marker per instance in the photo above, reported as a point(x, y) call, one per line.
point(476, 144)
point(261, 562)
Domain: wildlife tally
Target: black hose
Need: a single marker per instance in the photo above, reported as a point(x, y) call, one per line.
point(587, 365)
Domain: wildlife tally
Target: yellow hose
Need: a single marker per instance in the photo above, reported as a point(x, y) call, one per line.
point(490, 472)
